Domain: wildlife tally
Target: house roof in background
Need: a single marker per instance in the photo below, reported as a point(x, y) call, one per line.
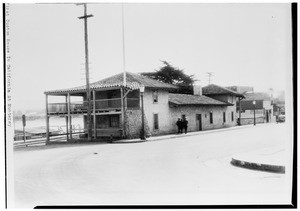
point(186, 99)
point(257, 96)
point(240, 89)
point(213, 89)
point(133, 81)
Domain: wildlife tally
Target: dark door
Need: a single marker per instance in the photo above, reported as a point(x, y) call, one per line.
point(267, 115)
point(199, 122)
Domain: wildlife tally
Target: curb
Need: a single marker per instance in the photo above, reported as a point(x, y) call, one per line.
point(165, 137)
point(258, 166)
point(198, 133)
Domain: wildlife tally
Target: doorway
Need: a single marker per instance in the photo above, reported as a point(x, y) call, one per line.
point(198, 122)
point(267, 116)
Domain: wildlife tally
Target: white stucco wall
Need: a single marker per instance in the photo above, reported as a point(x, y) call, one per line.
point(167, 116)
point(191, 111)
point(161, 108)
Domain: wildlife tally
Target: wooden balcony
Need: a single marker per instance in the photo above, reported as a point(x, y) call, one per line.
point(105, 105)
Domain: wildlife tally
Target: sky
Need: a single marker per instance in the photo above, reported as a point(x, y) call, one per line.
point(242, 44)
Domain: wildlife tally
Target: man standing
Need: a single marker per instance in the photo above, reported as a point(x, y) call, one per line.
point(179, 125)
point(185, 125)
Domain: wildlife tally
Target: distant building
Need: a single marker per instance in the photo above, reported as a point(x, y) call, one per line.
point(224, 94)
point(279, 104)
point(263, 108)
point(117, 108)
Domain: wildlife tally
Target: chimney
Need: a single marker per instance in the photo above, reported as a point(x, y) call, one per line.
point(197, 90)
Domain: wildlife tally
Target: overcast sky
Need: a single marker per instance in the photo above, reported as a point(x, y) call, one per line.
point(242, 44)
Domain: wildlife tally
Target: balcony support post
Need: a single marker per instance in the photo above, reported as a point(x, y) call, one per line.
point(240, 123)
point(69, 115)
point(47, 122)
point(67, 121)
point(122, 113)
point(125, 100)
point(94, 113)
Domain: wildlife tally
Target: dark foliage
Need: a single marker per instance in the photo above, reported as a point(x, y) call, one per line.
point(171, 75)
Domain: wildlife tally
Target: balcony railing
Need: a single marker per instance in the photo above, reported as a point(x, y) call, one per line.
point(105, 104)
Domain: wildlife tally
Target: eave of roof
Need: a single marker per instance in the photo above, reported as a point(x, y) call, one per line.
point(186, 99)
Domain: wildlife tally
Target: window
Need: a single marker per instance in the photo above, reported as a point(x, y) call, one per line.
point(232, 116)
point(155, 96)
point(107, 121)
point(114, 121)
point(224, 117)
point(155, 120)
point(211, 117)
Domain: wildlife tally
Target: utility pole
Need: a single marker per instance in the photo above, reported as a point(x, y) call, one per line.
point(209, 74)
point(88, 92)
point(123, 41)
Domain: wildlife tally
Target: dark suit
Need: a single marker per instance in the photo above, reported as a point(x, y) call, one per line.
point(185, 125)
point(179, 126)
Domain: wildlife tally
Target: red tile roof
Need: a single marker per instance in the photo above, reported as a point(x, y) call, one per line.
point(185, 99)
point(213, 89)
point(133, 81)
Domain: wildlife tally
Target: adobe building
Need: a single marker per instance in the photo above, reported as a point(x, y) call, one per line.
point(117, 108)
point(226, 95)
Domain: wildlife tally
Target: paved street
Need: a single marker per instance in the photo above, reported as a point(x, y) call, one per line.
point(187, 170)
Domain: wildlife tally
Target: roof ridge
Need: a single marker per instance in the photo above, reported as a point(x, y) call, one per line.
point(134, 81)
point(189, 99)
point(106, 78)
point(203, 96)
point(221, 87)
point(149, 78)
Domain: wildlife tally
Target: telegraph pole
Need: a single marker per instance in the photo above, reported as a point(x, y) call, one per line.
point(88, 92)
point(209, 74)
point(123, 41)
